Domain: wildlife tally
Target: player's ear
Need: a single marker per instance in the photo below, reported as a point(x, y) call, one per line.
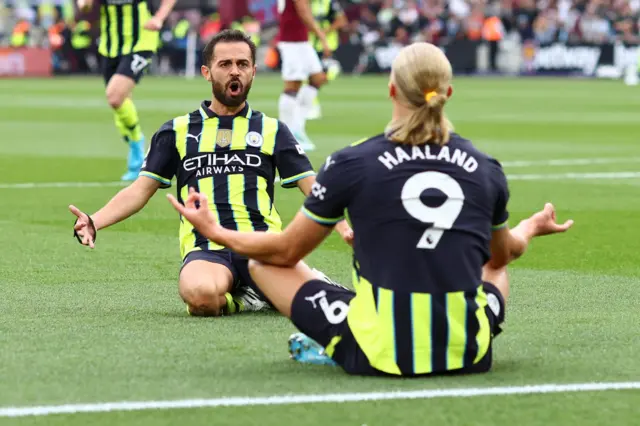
point(206, 73)
point(392, 90)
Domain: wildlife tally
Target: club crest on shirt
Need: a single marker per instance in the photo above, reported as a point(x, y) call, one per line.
point(254, 139)
point(223, 137)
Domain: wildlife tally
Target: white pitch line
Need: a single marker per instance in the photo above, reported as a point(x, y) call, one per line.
point(552, 176)
point(573, 176)
point(311, 399)
point(31, 185)
point(571, 162)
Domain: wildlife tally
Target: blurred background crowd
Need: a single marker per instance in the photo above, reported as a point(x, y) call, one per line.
point(371, 24)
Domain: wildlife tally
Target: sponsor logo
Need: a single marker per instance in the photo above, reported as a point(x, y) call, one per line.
point(562, 57)
point(209, 164)
point(318, 190)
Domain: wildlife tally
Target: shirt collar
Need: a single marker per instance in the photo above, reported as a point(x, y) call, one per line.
point(206, 113)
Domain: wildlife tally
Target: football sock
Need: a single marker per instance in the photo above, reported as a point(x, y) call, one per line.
point(127, 121)
point(234, 305)
point(306, 97)
point(121, 127)
point(289, 111)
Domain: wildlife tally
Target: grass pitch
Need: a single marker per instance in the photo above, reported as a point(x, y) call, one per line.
point(80, 326)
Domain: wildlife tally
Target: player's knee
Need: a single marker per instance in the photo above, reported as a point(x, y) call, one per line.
point(292, 86)
point(199, 295)
point(115, 98)
point(318, 80)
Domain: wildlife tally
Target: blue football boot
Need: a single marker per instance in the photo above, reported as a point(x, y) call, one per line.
point(134, 159)
point(304, 349)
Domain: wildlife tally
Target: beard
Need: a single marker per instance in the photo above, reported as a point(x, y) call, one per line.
point(220, 92)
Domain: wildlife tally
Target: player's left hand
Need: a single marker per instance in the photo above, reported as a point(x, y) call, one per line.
point(544, 222)
point(345, 232)
point(196, 211)
point(153, 24)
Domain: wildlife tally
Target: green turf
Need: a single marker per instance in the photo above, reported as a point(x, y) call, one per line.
point(82, 326)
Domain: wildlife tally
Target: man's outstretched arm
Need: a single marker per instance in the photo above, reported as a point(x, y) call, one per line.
point(124, 204)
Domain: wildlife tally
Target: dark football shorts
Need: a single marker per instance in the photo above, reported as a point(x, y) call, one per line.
point(132, 65)
point(237, 264)
point(319, 310)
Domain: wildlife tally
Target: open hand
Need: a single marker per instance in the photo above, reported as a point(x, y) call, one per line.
point(544, 222)
point(84, 229)
point(196, 211)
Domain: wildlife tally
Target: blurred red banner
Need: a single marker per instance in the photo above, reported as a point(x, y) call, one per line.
point(25, 62)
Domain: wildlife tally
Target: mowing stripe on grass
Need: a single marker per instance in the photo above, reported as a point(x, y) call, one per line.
point(311, 399)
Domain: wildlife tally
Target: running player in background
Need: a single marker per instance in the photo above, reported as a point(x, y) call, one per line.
point(331, 18)
point(229, 151)
point(431, 245)
point(299, 64)
point(129, 37)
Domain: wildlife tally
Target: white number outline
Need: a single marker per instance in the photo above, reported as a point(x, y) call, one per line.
point(441, 218)
point(329, 309)
point(281, 5)
point(138, 64)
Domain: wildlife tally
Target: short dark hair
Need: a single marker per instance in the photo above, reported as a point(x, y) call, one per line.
point(227, 36)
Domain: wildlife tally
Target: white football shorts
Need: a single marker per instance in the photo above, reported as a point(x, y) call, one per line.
point(299, 60)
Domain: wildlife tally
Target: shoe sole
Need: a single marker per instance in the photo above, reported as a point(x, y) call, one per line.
point(296, 346)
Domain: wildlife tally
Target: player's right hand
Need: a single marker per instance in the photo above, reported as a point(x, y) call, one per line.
point(196, 211)
point(84, 229)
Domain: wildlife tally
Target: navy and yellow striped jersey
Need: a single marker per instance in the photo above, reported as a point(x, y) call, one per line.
point(122, 28)
point(231, 159)
point(422, 218)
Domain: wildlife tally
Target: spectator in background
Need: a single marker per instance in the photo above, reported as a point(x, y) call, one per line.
point(367, 27)
point(474, 22)
point(625, 22)
point(409, 19)
point(211, 25)
point(434, 29)
point(401, 36)
point(492, 34)
point(460, 9)
point(594, 27)
point(524, 16)
point(506, 14)
point(380, 23)
point(546, 27)
point(82, 45)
